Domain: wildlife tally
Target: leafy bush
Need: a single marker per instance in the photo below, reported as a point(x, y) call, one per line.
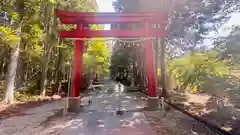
point(8, 36)
point(191, 70)
point(24, 96)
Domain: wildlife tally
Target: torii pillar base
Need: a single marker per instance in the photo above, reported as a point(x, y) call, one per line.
point(74, 104)
point(152, 104)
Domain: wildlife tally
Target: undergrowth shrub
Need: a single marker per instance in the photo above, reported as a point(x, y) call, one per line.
point(191, 70)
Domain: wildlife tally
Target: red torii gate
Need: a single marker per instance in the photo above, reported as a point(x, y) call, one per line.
point(82, 19)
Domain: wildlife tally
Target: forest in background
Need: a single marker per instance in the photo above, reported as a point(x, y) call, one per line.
point(33, 59)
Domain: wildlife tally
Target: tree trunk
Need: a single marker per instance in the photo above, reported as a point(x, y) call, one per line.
point(58, 72)
point(156, 43)
point(2, 61)
point(156, 62)
point(47, 50)
point(12, 68)
point(163, 68)
point(142, 62)
point(3, 67)
point(38, 81)
point(27, 72)
point(21, 67)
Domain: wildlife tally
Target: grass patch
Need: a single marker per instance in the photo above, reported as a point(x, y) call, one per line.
point(23, 96)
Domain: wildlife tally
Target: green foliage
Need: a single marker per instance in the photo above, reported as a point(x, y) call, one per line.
point(33, 22)
point(121, 58)
point(97, 54)
point(23, 96)
point(97, 57)
point(8, 36)
point(191, 70)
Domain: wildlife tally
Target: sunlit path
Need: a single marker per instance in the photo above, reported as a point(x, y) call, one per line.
point(100, 118)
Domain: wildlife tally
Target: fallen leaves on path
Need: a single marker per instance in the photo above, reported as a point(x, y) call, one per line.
point(18, 108)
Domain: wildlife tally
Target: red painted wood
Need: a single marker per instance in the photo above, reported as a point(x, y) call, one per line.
point(113, 33)
point(77, 66)
point(63, 13)
point(150, 71)
point(108, 20)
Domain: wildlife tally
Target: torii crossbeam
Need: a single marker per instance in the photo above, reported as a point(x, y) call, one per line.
point(146, 20)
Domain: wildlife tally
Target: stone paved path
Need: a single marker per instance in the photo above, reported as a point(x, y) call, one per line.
point(99, 118)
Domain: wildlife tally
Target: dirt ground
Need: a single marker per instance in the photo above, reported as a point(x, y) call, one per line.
point(7, 111)
point(176, 123)
point(216, 109)
point(18, 109)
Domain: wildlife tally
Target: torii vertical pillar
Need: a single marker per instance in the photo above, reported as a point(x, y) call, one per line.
point(150, 72)
point(74, 100)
